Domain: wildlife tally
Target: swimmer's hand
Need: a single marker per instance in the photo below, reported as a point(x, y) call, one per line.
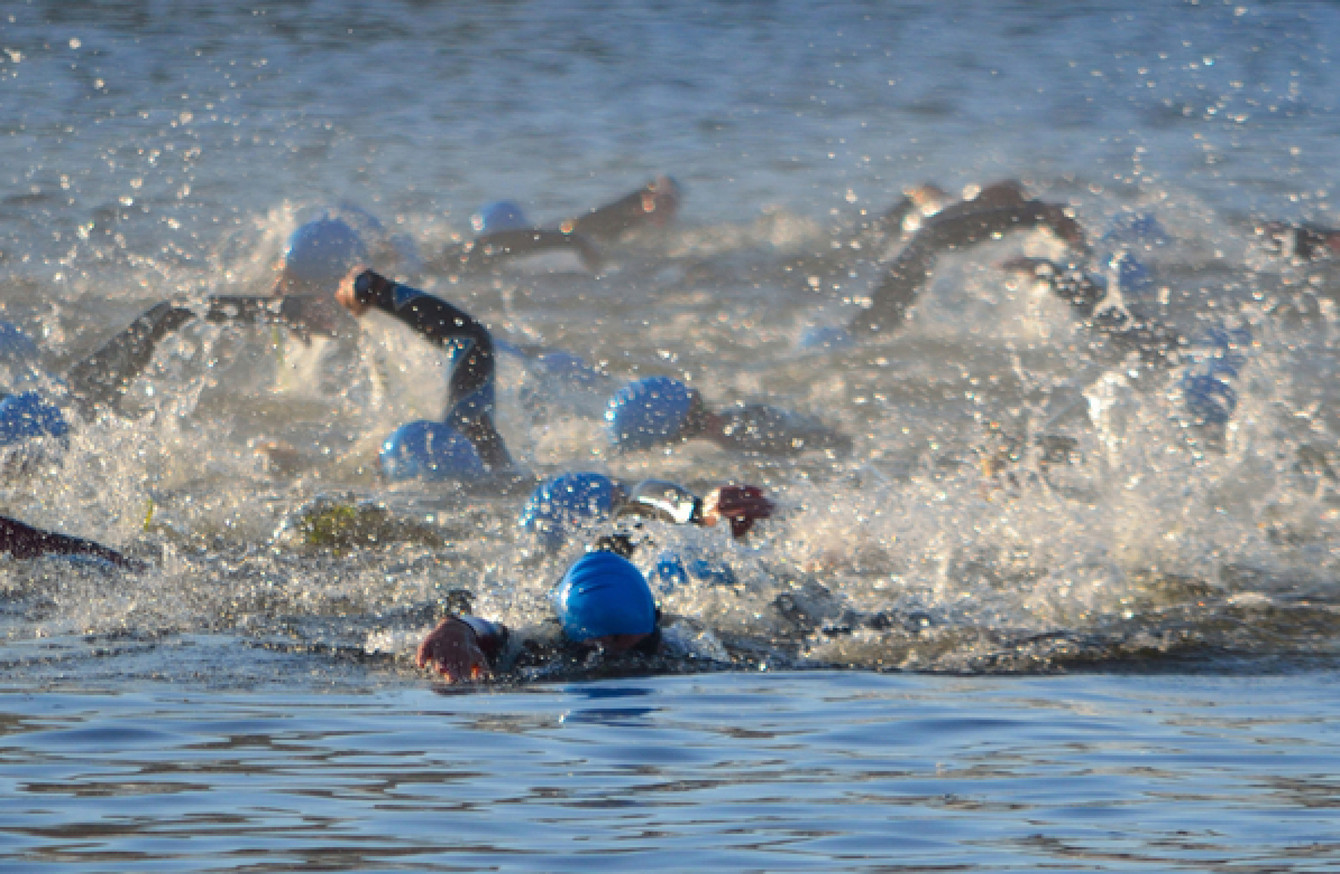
point(346, 295)
point(452, 649)
point(741, 505)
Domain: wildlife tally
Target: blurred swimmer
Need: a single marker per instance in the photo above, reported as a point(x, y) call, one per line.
point(504, 234)
point(996, 210)
point(660, 410)
point(35, 404)
point(574, 501)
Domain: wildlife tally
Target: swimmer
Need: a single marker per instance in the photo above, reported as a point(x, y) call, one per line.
point(503, 233)
point(603, 606)
point(996, 210)
point(659, 410)
point(569, 501)
point(34, 407)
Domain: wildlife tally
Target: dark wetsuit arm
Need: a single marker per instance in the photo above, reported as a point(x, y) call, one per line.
point(957, 226)
point(655, 202)
point(24, 541)
point(490, 250)
point(469, 398)
point(103, 375)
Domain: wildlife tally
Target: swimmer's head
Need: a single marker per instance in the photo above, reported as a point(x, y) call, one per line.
point(603, 596)
point(653, 410)
point(430, 451)
point(567, 501)
point(318, 255)
point(501, 215)
point(27, 415)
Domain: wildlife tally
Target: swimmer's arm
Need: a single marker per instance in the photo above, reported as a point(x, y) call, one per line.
point(463, 648)
point(434, 318)
point(999, 210)
point(655, 203)
point(102, 376)
point(23, 541)
point(485, 252)
point(741, 505)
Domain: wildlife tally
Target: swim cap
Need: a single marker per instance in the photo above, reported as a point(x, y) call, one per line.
point(604, 594)
point(501, 215)
point(648, 411)
point(17, 349)
point(319, 253)
point(565, 501)
point(28, 415)
point(431, 451)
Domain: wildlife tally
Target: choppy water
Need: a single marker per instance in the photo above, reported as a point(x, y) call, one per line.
point(155, 152)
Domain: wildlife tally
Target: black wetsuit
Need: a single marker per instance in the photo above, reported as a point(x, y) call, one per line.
point(493, 250)
point(100, 378)
point(470, 395)
point(22, 540)
point(996, 211)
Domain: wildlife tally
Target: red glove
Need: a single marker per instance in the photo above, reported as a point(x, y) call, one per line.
point(453, 649)
point(742, 505)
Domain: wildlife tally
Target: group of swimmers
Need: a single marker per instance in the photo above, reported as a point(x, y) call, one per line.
point(604, 600)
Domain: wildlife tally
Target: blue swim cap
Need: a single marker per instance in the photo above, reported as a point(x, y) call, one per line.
point(18, 351)
point(565, 501)
point(604, 594)
point(431, 451)
point(320, 252)
point(648, 411)
point(501, 215)
point(28, 415)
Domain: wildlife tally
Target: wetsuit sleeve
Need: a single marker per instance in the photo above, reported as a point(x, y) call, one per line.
point(103, 375)
point(655, 202)
point(963, 224)
point(491, 637)
point(470, 394)
point(23, 541)
point(488, 251)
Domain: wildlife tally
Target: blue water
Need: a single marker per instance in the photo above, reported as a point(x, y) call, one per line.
point(1123, 659)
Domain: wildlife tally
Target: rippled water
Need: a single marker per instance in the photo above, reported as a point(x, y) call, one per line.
point(833, 772)
point(1018, 500)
